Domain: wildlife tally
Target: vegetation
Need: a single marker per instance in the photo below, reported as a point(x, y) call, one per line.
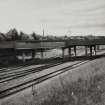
point(81, 92)
point(13, 34)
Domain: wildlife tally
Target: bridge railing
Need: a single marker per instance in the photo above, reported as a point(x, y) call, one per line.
point(41, 44)
point(50, 44)
point(85, 42)
point(7, 44)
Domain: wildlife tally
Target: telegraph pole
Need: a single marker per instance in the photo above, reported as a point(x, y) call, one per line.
point(43, 32)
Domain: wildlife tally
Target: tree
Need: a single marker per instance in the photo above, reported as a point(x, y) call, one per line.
point(34, 36)
point(23, 36)
point(12, 34)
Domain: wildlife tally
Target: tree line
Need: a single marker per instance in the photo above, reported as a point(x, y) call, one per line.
point(13, 34)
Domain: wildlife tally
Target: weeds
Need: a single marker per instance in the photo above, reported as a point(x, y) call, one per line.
point(81, 92)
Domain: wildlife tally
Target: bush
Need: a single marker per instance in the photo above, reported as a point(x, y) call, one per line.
point(81, 92)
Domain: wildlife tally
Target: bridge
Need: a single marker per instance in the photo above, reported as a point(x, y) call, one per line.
point(51, 44)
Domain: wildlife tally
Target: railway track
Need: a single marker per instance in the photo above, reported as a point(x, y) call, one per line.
point(16, 67)
point(21, 86)
point(2, 70)
point(29, 83)
point(17, 74)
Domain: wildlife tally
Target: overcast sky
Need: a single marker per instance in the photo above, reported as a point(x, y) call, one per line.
point(57, 17)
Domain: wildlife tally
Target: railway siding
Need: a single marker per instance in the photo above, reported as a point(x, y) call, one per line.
point(39, 78)
point(36, 76)
point(31, 76)
point(85, 72)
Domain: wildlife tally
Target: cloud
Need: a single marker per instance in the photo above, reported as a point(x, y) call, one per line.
point(91, 26)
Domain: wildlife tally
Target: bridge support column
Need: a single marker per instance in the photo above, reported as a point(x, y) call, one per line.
point(33, 54)
point(75, 50)
point(90, 50)
point(63, 52)
point(15, 54)
point(23, 57)
point(86, 50)
point(95, 49)
point(69, 51)
point(98, 47)
point(41, 53)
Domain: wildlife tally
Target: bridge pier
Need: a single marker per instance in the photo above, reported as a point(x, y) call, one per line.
point(23, 57)
point(42, 56)
point(33, 54)
point(86, 50)
point(90, 50)
point(95, 49)
point(15, 54)
point(98, 47)
point(69, 51)
point(75, 50)
point(63, 52)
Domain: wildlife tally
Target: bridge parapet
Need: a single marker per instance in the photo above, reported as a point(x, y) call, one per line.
point(7, 44)
point(50, 44)
point(38, 45)
point(76, 42)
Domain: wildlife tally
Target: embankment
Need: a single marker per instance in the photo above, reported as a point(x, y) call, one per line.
point(77, 86)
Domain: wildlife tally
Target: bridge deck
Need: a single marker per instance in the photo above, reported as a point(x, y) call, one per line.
point(49, 44)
